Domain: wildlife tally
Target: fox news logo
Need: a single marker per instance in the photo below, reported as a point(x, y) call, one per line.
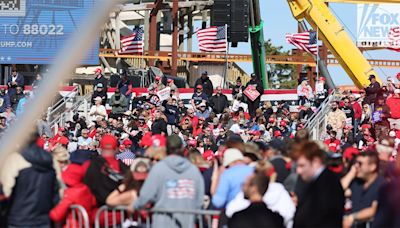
point(374, 22)
point(12, 8)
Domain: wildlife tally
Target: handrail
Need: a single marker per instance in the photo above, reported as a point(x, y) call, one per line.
point(314, 124)
point(82, 215)
point(105, 209)
point(74, 107)
point(67, 98)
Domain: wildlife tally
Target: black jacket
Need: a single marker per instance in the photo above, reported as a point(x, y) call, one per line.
point(159, 126)
point(256, 215)
point(371, 91)
point(102, 94)
point(322, 203)
point(101, 179)
point(101, 80)
point(207, 86)
point(35, 191)
point(259, 88)
point(218, 103)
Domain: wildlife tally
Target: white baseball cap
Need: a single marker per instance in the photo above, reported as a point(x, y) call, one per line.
point(397, 91)
point(232, 155)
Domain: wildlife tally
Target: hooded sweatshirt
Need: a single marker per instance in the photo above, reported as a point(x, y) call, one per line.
point(29, 180)
point(175, 184)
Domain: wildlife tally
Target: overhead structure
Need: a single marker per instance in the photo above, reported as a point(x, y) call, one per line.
point(332, 33)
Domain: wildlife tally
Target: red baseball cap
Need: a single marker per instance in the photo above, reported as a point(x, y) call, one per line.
point(366, 126)
point(63, 140)
point(322, 79)
point(192, 142)
point(277, 134)
point(127, 142)
point(283, 123)
point(98, 70)
point(199, 87)
point(158, 78)
point(350, 152)
point(159, 140)
point(271, 120)
point(108, 142)
point(170, 80)
point(208, 155)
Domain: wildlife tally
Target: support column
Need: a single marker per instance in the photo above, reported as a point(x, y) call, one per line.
point(146, 29)
point(204, 19)
point(181, 31)
point(190, 31)
point(152, 37)
point(175, 38)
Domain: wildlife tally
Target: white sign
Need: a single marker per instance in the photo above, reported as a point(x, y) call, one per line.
point(164, 94)
point(374, 22)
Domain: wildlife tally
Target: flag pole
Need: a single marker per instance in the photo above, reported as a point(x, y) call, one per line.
point(226, 57)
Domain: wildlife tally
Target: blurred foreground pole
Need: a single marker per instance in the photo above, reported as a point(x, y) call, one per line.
point(69, 57)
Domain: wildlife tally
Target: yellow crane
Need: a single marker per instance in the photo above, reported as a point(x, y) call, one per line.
point(332, 33)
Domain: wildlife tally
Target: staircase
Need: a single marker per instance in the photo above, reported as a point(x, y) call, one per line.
point(317, 123)
point(63, 110)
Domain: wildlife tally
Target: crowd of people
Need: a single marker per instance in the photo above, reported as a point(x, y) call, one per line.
point(253, 161)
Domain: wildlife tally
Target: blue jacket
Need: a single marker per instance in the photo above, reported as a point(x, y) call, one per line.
point(31, 185)
point(230, 184)
point(12, 89)
point(172, 114)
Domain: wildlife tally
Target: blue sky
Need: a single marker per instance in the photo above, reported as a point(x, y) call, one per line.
point(278, 21)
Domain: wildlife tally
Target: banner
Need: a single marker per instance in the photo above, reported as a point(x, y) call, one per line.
point(251, 92)
point(35, 31)
point(374, 22)
point(164, 94)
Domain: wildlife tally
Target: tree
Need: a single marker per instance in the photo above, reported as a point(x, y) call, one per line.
point(280, 75)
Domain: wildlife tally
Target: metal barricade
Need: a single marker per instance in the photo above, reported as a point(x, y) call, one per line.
point(120, 215)
point(77, 218)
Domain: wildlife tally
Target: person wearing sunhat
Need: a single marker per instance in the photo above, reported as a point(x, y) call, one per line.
point(372, 90)
point(206, 84)
point(99, 78)
point(105, 173)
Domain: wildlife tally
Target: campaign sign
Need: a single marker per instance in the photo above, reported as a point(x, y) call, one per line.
point(374, 22)
point(164, 94)
point(34, 31)
point(251, 92)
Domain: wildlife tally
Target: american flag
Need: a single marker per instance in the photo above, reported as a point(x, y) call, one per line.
point(133, 44)
point(394, 39)
point(126, 157)
point(213, 39)
point(306, 41)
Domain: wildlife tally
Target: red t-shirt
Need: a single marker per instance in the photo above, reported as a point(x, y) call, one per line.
point(333, 146)
point(113, 163)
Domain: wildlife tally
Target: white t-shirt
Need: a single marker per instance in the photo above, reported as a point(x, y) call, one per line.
point(276, 198)
point(101, 112)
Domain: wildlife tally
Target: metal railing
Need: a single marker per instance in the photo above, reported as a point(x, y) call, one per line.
point(317, 122)
point(60, 105)
point(119, 215)
point(77, 218)
point(80, 102)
